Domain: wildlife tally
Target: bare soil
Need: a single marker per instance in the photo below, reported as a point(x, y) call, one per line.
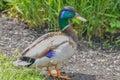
point(87, 64)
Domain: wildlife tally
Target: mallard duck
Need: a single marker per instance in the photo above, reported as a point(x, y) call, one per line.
point(53, 48)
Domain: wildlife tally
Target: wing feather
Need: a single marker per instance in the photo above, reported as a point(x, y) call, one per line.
point(44, 43)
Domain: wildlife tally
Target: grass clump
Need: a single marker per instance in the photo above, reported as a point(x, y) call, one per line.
point(9, 72)
point(100, 13)
point(2, 5)
point(103, 15)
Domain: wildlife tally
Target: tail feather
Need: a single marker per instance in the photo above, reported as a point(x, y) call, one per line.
point(24, 61)
point(21, 63)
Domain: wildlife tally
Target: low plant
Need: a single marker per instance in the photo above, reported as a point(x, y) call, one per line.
point(103, 15)
point(10, 72)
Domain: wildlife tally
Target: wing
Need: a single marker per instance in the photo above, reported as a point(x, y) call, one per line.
point(44, 43)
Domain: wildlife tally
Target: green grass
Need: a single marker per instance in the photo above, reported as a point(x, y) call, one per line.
point(2, 6)
point(10, 72)
point(103, 15)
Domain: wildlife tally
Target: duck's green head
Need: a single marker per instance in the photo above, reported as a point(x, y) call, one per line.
point(67, 13)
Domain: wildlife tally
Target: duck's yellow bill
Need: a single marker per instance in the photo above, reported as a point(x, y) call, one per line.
point(80, 18)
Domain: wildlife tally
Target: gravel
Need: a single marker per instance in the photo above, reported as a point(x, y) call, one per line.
point(87, 64)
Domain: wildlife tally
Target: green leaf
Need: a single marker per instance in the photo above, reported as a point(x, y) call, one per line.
point(18, 9)
point(114, 23)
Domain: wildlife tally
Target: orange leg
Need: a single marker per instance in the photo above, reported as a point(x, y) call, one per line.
point(59, 75)
point(51, 74)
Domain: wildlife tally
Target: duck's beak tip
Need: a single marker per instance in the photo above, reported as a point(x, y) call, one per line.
point(81, 18)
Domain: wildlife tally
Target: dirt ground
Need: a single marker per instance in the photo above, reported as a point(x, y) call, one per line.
point(87, 64)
